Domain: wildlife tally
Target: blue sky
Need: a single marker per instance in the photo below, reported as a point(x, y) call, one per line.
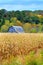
point(21, 4)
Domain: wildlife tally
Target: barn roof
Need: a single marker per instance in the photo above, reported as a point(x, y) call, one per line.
point(17, 29)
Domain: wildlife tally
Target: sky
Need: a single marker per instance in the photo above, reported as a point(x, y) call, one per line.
point(21, 4)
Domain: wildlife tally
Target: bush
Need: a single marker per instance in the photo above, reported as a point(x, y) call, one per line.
point(33, 30)
point(4, 28)
point(27, 27)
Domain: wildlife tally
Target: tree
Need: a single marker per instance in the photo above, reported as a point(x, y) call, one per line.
point(18, 15)
point(35, 19)
point(4, 28)
point(40, 28)
point(41, 20)
point(7, 22)
point(27, 27)
point(11, 24)
point(18, 23)
point(1, 22)
point(13, 20)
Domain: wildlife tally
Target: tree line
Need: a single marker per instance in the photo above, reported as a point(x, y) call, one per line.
point(31, 21)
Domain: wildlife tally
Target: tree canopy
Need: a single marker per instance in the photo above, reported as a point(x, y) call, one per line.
point(27, 19)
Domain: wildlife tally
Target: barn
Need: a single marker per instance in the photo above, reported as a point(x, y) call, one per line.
point(16, 29)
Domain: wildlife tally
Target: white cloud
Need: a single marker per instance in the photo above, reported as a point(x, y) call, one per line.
point(21, 7)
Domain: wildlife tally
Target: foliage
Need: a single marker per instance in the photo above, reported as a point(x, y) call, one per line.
point(27, 19)
point(7, 22)
point(4, 28)
point(18, 23)
point(33, 30)
point(27, 27)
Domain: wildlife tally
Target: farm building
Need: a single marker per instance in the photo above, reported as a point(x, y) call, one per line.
point(16, 29)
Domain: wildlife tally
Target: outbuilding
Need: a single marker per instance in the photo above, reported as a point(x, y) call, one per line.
point(16, 29)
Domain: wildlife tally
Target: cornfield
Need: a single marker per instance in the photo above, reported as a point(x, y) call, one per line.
point(20, 47)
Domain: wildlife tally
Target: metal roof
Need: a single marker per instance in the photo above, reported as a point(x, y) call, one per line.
point(16, 29)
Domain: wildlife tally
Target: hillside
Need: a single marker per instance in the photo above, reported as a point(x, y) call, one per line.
point(31, 21)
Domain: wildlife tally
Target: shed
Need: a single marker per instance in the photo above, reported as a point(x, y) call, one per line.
point(16, 29)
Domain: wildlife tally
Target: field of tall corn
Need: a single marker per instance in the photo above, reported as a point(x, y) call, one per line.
point(21, 49)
